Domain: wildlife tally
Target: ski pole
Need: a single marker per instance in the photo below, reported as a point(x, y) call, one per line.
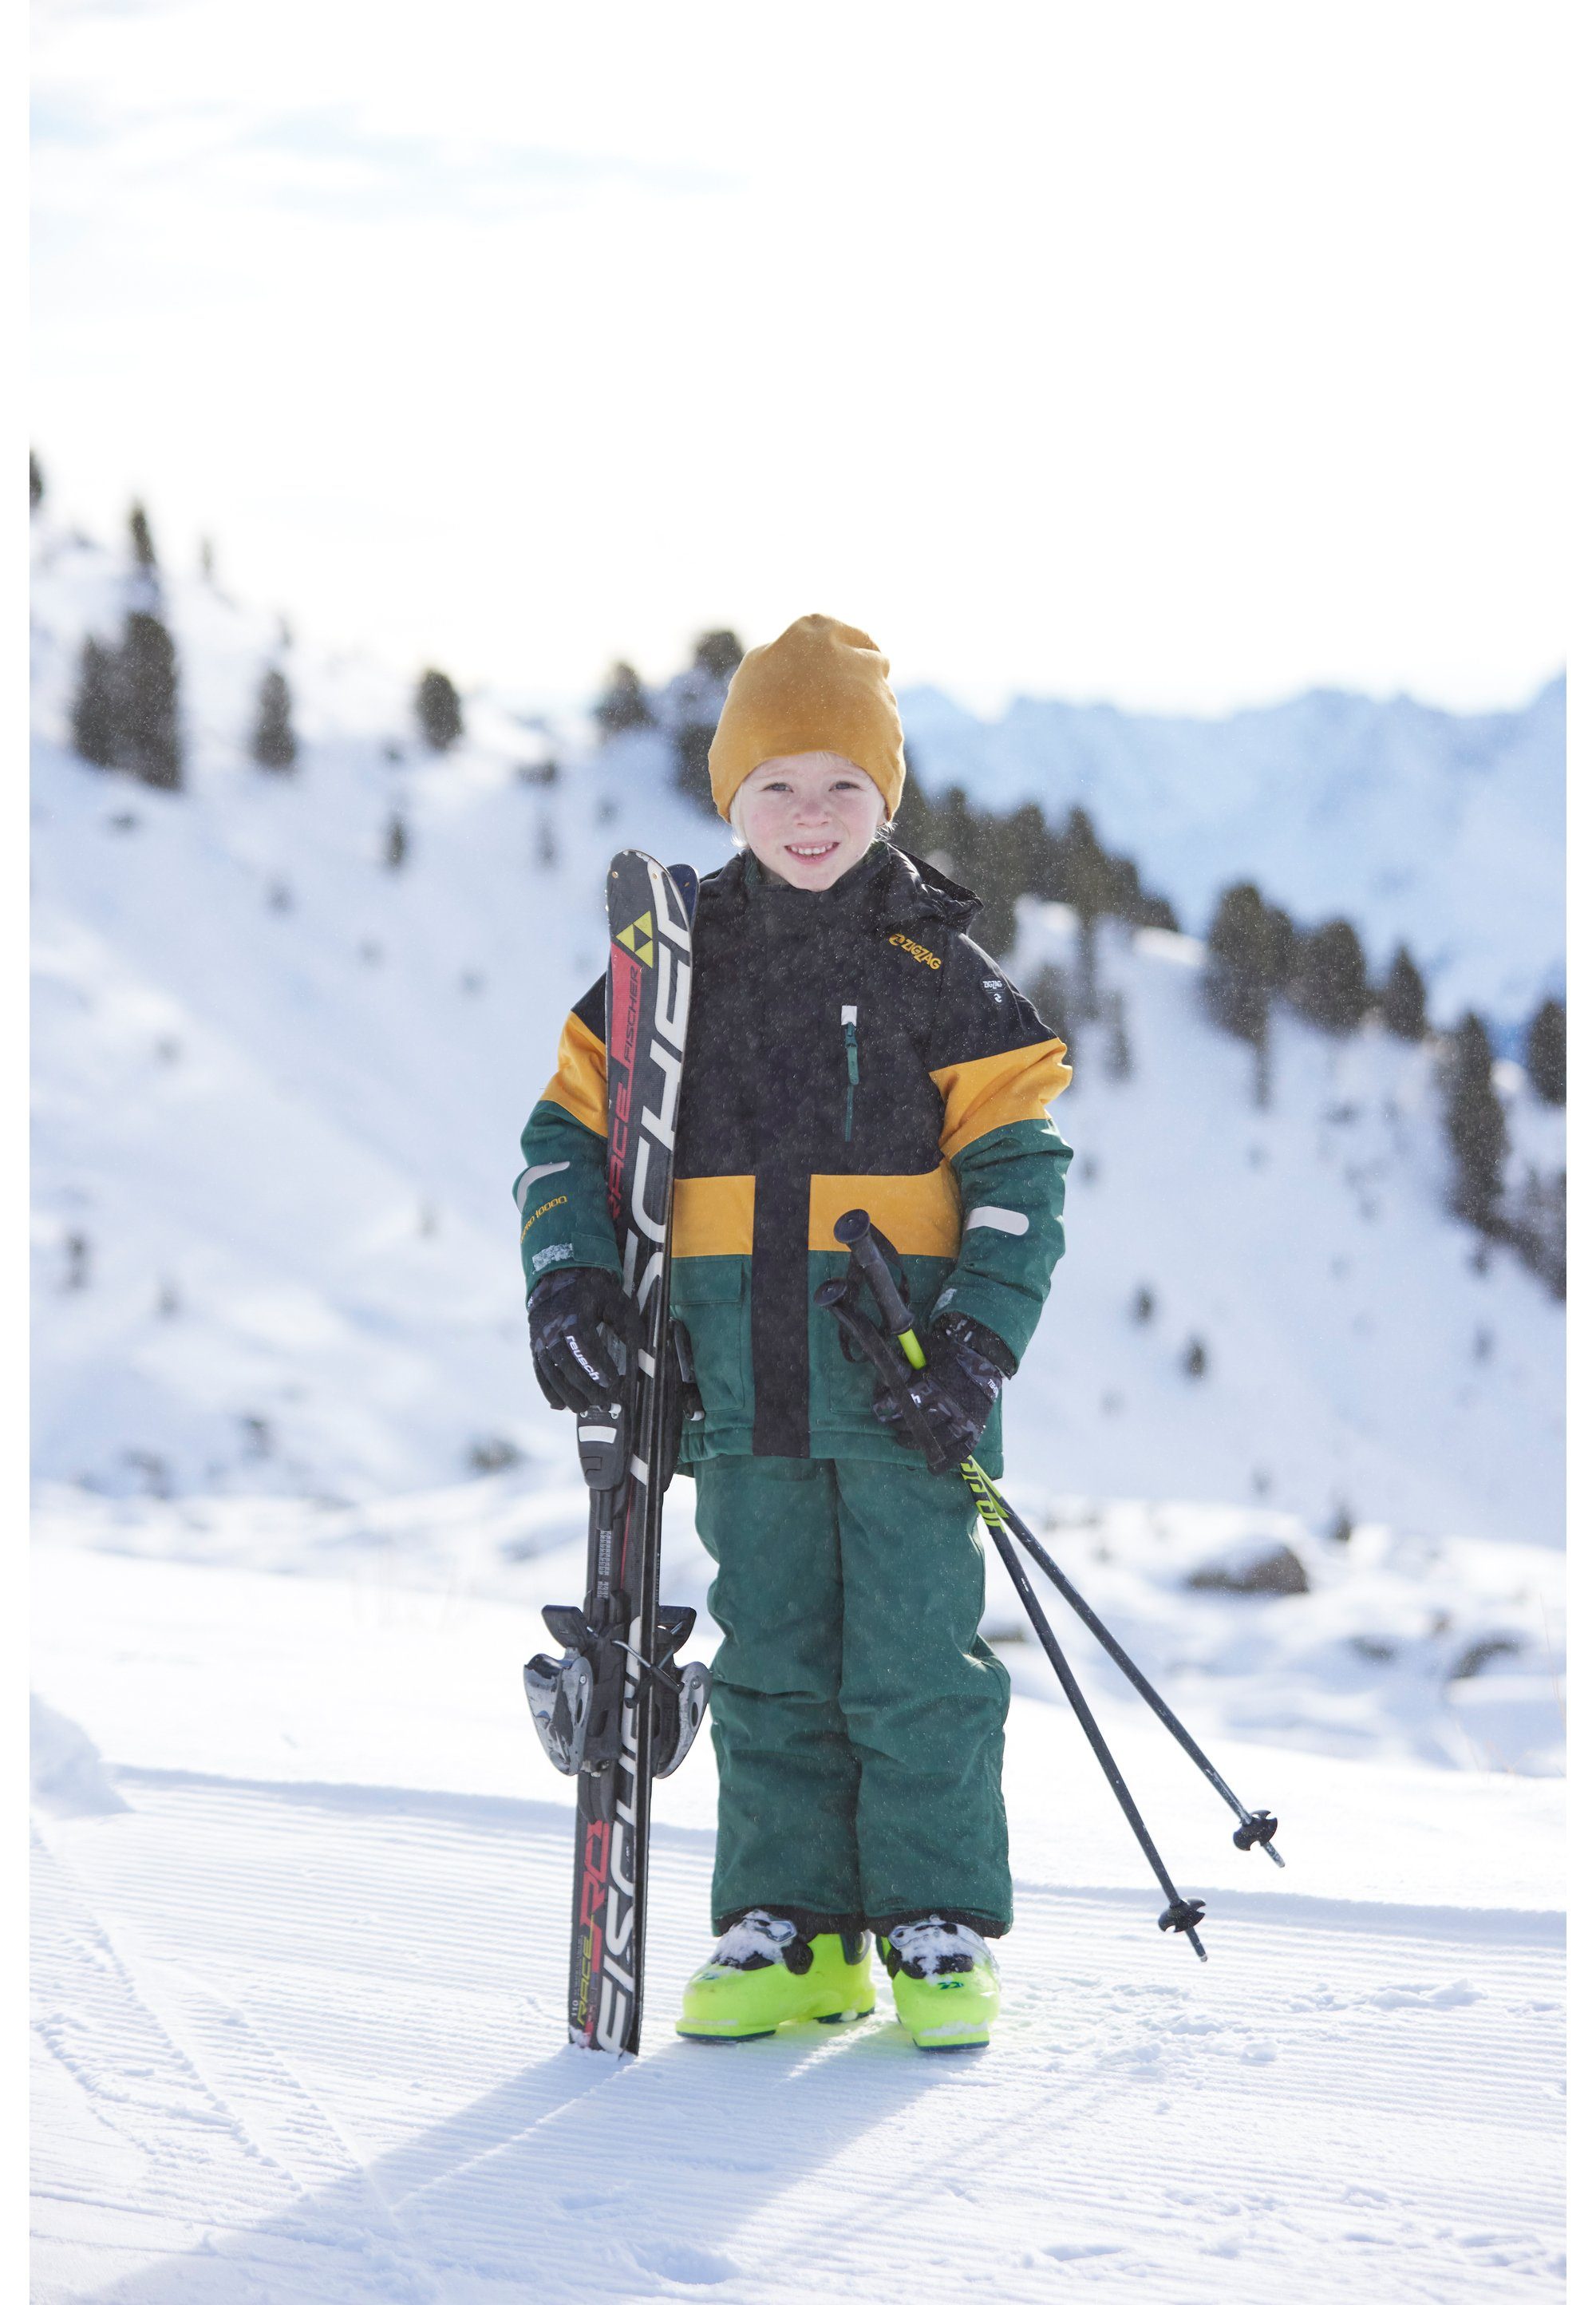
point(1256, 1827)
point(1182, 1914)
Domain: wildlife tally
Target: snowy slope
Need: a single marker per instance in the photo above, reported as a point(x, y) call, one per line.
point(1442, 829)
point(279, 1089)
point(300, 1869)
point(299, 2009)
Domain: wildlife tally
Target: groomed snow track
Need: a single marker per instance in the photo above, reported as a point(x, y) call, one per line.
point(302, 2042)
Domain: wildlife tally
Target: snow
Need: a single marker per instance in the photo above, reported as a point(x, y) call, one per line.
point(299, 1866)
point(300, 2007)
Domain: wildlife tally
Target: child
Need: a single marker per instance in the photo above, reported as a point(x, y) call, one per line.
point(849, 1046)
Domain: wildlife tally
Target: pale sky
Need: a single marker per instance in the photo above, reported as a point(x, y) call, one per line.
point(1179, 355)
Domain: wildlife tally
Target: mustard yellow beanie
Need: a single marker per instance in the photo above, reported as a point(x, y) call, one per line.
point(822, 687)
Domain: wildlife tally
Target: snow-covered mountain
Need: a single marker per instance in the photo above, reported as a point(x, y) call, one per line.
point(300, 1873)
point(1441, 829)
point(280, 1085)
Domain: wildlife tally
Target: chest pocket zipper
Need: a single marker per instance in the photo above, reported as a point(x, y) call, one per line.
point(851, 1046)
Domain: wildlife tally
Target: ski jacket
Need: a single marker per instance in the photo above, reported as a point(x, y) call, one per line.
point(852, 1046)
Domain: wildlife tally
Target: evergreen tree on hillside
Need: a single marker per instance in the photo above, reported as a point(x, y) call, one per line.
point(1402, 1002)
point(1541, 1229)
point(1084, 881)
point(717, 653)
point(96, 705)
point(915, 825)
point(273, 743)
point(35, 483)
point(395, 846)
point(1049, 992)
point(1240, 960)
point(1546, 1052)
point(1086, 878)
point(625, 703)
point(1284, 948)
point(1332, 985)
point(1476, 1125)
point(438, 710)
point(139, 538)
point(694, 699)
point(150, 742)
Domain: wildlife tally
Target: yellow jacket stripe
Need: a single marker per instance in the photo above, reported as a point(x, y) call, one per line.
point(713, 1216)
point(989, 1093)
point(920, 1215)
point(578, 1085)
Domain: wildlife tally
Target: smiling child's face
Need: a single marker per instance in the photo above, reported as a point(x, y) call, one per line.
point(809, 817)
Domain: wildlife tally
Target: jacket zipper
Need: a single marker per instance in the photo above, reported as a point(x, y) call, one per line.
point(851, 1043)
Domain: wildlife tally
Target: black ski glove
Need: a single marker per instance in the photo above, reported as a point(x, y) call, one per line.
point(964, 1370)
point(575, 1319)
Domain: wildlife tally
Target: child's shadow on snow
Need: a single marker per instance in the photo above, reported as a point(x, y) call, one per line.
point(576, 2180)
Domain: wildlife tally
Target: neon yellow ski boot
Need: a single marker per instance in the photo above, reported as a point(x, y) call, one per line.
point(763, 1974)
point(943, 1982)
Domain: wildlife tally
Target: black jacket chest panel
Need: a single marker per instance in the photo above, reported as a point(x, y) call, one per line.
point(766, 1085)
point(768, 1075)
point(768, 1065)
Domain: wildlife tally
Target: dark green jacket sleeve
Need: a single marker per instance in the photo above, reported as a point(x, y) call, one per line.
point(1000, 1068)
point(560, 1192)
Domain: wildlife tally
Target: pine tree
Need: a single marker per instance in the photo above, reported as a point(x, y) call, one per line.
point(138, 536)
point(1546, 1052)
point(438, 710)
point(1402, 1002)
point(273, 744)
point(35, 483)
point(1541, 1229)
point(1476, 1125)
point(1284, 948)
point(1119, 1066)
point(1236, 980)
point(717, 653)
point(96, 705)
point(1049, 992)
point(1085, 883)
point(1332, 986)
point(916, 825)
point(396, 844)
point(150, 740)
point(695, 698)
point(625, 703)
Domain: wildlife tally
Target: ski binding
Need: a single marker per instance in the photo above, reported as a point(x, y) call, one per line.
point(576, 1698)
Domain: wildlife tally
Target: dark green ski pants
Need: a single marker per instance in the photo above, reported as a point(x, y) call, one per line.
point(857, 1714)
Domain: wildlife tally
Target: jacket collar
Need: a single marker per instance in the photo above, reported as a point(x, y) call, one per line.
point(900, 889)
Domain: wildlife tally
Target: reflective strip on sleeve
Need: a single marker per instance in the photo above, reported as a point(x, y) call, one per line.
point(999, 1220)
point(531, 1176)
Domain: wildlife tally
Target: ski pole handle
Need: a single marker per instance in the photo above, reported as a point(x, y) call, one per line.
point(852, 1231)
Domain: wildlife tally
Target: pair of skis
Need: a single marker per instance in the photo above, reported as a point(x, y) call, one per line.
point(616, 1709)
